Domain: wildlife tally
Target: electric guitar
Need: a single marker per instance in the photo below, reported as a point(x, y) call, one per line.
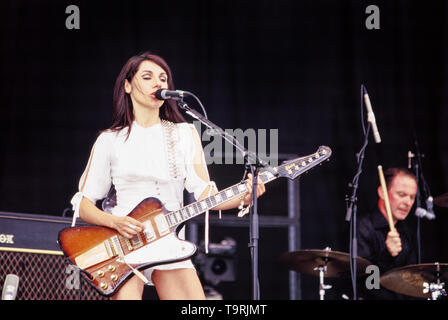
point(107, 259)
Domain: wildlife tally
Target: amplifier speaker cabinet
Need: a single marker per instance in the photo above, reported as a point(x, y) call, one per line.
point(28, 249)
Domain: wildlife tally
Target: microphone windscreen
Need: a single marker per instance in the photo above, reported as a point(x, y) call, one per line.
point(10, 287)
point(159, 95)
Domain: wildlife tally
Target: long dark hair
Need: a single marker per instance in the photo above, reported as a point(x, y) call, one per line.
point(123, 115)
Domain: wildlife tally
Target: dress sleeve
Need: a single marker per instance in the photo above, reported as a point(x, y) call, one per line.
point(197, 176)
point(95, 182)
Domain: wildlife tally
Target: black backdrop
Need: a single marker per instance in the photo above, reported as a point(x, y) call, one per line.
point(295, 66)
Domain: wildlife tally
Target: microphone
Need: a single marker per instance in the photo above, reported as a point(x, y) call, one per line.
point(10, 287)
point(429, 212)
point(371, 117)
point(410, 156)
point(164, 94)
point(430, 208)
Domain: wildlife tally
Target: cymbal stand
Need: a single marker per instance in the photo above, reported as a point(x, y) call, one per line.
point(437, 290)
point(322, 286)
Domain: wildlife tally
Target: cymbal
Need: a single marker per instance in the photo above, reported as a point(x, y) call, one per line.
point(306, 261)
point(442, 200)
point(408, 280)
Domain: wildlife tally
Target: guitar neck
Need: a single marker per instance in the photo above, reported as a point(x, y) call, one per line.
point(290, 169)
point(190, 211)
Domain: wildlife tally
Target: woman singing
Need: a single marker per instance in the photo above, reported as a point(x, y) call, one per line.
point(149, 151)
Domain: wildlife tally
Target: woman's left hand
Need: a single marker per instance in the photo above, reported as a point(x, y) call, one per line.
point(260, 188)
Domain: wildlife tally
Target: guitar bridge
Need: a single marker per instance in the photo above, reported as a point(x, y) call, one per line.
point(116, 247)
point(109, 249)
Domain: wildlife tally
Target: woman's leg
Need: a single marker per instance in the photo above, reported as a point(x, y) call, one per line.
point(178, 284)
point(131, 290)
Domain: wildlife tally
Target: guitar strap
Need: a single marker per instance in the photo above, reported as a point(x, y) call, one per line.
point(171, 135)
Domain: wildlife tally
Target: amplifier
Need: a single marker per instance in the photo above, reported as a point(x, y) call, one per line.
point(29, 249)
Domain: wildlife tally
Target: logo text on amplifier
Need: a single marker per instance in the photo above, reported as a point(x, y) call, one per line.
point(6, 238)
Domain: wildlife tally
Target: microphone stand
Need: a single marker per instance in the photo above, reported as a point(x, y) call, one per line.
point(419, 177)
point(252, 163)
point(351, 214)
point(418, 203)
point(352, 207)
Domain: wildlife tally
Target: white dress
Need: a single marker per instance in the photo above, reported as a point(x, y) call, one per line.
point(138, 167)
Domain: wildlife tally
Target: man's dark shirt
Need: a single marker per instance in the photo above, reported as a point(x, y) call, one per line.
point(372, 234)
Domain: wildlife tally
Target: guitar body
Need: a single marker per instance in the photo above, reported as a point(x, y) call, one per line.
point(99, 251)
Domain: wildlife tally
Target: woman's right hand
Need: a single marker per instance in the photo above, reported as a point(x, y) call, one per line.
point(126, 226)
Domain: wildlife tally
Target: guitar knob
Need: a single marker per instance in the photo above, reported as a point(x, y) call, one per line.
point(103, 285)
point(100, 273)
point(114, 277)
point(111, 268)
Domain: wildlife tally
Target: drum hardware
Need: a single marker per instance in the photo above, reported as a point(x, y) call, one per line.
point(322, 263)
point(322, 270)
point(322, 285)
point(436, 290)
point(420, 280)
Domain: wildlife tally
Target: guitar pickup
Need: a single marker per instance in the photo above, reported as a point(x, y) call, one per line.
point(116, 246)
point(129, 245)
point(162, 224)
point(149, 231)
point(136, 241)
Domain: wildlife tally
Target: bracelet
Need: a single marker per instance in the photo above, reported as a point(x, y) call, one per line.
point(240, 207)
point(243, 210)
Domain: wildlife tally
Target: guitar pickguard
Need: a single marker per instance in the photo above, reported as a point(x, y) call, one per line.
point(168, 248)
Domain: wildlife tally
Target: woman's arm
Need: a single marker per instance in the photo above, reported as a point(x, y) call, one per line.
point(126, 226)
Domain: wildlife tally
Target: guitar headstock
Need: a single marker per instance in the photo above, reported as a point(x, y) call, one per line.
point(293, 168)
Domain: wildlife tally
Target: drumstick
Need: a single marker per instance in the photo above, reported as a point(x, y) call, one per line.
point(386, 198)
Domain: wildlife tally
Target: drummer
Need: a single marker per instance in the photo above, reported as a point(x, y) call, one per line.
point(389, 249)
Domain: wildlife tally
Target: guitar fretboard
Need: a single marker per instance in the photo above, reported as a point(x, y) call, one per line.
point(291, 169)
point(175, 218)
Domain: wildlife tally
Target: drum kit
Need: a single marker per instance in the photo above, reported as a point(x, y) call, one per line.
point(425, 280)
